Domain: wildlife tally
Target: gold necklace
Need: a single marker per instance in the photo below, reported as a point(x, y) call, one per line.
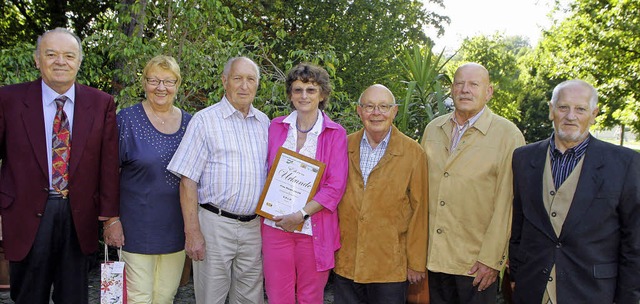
point(154, 113)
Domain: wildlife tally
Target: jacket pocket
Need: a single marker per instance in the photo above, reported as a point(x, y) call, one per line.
point(608, 195)
point(605, 271)
point(5, 200)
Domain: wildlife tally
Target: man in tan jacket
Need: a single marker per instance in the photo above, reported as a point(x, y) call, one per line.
point(470, 192)
point(383, 213)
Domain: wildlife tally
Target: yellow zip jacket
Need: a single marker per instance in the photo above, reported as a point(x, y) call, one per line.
point(471, 193)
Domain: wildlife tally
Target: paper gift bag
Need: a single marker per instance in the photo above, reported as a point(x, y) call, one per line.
point(113, 287)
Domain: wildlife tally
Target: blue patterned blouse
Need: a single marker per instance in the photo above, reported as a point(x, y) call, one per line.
point(149, 200)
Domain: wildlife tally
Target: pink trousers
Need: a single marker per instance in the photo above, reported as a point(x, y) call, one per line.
point(289, 267)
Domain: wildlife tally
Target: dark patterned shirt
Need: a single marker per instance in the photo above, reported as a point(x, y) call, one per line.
point(562, 164)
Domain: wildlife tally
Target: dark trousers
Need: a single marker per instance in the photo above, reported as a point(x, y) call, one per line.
point(349, 292)
point(457, 289)
point(54, 259)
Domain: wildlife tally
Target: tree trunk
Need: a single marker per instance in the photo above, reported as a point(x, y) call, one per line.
point(129, 29)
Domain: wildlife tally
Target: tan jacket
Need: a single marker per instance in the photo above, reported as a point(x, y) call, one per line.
point(470, 193)
point(384, 229)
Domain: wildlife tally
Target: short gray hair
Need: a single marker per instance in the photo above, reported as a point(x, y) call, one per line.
point(227, 66)
point(593, 100)
point(59, 30)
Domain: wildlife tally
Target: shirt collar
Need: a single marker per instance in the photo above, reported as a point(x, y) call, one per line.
point(577, 150)
point(228, 110)
point(383, 143)
point(471, 121)
point(49, 95)
point(293, 117)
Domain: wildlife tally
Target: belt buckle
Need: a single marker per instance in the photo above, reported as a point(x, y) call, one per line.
point(219, 211)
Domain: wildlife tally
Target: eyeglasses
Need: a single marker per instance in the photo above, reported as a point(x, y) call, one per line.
point(309, 90)
point(383, 108)
point(167, 82)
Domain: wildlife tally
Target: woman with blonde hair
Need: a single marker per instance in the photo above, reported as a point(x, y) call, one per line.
point(150, 213)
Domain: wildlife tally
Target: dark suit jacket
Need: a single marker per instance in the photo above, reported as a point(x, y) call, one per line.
point(24, 182)
point(597, 255)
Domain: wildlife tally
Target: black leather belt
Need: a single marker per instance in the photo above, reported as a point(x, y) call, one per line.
point(218, 211)
point(56, 195)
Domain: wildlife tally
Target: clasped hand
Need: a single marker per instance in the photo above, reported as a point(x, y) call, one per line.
point(289, 222)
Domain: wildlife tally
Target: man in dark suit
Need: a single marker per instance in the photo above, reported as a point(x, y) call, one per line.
point(576, 215)
point(59, 176)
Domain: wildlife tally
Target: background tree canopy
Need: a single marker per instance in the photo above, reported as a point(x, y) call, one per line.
point(360, 42)
point(599, 41)
point(24, 20)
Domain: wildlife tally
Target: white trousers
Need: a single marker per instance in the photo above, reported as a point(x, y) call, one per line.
point(232, 263)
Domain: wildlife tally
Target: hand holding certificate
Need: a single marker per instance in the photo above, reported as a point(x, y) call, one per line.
point(292, 182)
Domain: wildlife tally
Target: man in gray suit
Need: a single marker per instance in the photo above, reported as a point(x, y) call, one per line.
point(576, 216)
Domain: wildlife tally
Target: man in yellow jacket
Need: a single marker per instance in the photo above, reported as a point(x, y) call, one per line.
point(383, 213)
point(470, 192)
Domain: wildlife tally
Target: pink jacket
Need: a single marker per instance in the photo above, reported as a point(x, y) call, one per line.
point(332, 150)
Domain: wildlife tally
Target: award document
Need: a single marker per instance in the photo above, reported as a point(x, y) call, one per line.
point(291, 184)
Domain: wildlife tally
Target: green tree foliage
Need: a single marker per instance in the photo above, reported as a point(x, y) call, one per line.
point(17, 64)
point(534, 98)
point(201, 35)
point(364, 34)
point(427, 89)
point(356, 41)
point(24, 20)
point(599, 42)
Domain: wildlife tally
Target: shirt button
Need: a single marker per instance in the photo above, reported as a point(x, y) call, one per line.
point(446, 174)
point(550, 279)
point(441, 203)
point(553, 214)
point(439, 231)
point(552, 192)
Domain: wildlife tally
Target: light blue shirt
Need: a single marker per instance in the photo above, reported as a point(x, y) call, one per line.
point(370, 157)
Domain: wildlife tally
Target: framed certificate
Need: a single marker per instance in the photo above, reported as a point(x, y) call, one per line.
point(291, 184)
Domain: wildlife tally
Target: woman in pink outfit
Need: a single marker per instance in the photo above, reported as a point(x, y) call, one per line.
point(297, 263)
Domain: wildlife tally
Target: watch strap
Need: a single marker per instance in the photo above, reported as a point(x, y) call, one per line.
point(305, 215)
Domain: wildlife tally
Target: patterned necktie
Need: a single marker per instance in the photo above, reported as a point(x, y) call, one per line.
point(61, 149)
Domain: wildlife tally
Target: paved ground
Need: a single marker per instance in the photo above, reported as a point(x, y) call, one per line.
point(184, 296)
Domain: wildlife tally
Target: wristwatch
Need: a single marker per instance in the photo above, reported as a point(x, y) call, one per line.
point(305, 215)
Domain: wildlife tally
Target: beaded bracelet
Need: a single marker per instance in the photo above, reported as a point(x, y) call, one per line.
point(112, 223)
